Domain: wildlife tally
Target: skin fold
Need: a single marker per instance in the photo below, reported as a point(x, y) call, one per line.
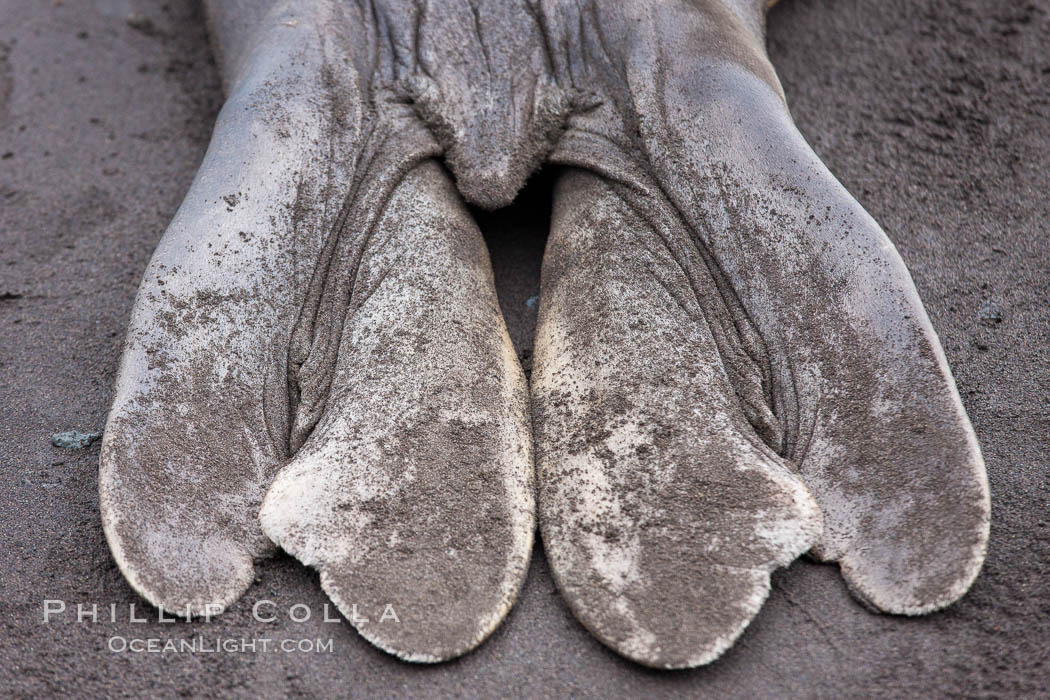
point(732, 365)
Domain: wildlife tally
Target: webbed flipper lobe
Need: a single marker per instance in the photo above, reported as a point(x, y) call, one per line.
point(415, 489)
point(662, 512)
point(198, 425)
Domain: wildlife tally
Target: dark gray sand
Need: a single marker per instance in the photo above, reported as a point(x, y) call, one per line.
point(934, 113)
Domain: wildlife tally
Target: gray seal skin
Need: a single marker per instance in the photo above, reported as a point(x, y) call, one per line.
point(732, 366)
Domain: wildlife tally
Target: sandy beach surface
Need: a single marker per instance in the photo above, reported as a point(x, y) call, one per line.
point(935, 114)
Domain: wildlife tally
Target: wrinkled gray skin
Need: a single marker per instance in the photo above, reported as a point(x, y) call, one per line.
point(732, 364)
